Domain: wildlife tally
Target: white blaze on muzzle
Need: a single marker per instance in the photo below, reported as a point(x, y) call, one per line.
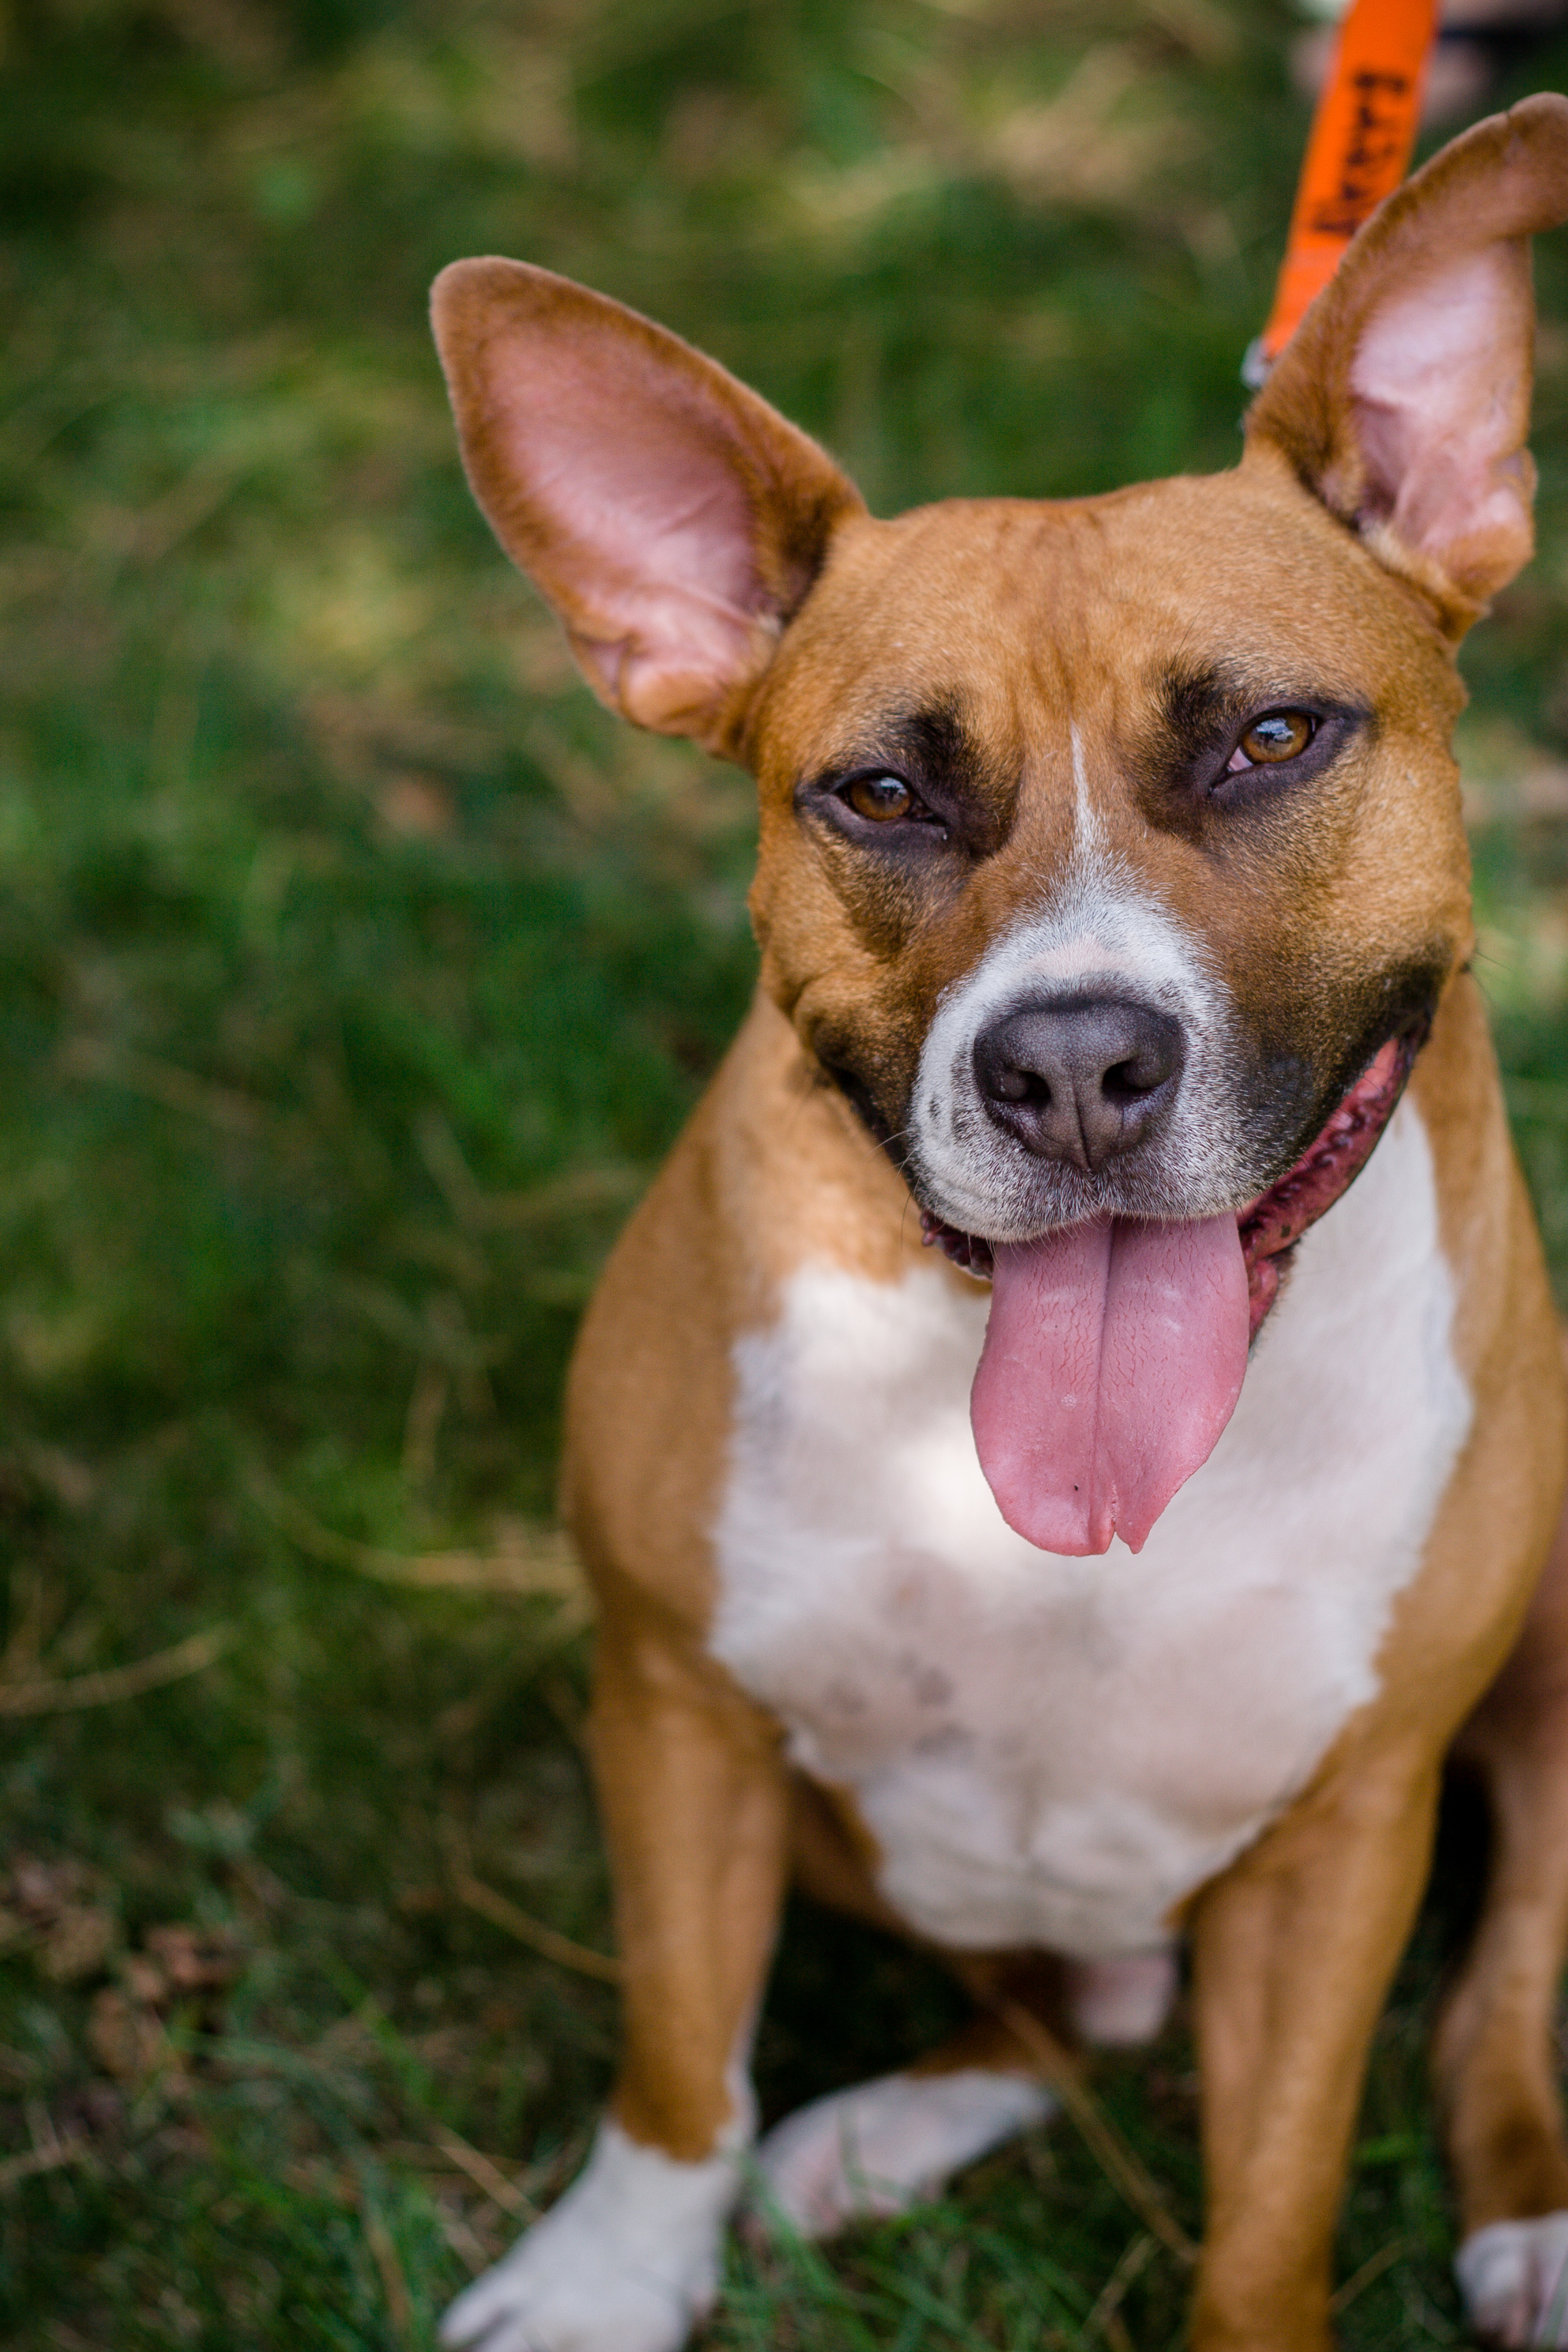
point(1118, 1337)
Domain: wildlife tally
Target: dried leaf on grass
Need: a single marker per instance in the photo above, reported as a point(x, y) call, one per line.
point(1105, 2318)
point(502, 1913)
point(1069, 150)
point(179, 1963)
point(384, 2252)
point(533, 1560)
point(99, 1058)
point(1105, 2143)
point(79, 1943)
point(592, 1187)
point(191, 1657)
point(485, 2175)
point(60, 1911)
point(52, 2151)
point(193, 1959)
point(127, 2038)
point(1370, 2271)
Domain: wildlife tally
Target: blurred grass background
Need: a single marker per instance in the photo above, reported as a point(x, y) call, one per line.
point(355, 973)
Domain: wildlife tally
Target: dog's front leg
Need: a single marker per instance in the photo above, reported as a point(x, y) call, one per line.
point(693, 1799)
point(1293, 1950)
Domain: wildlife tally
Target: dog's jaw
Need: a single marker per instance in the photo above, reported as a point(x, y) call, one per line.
point(1271, 1225)
point(1117, 1348)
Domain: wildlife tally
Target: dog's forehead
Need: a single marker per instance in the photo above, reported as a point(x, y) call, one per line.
point(1038, 611)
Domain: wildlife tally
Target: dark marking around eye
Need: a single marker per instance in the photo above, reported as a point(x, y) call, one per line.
point(935, 742)
point(1195, 706)
point(923, 781)
point(1221, 734)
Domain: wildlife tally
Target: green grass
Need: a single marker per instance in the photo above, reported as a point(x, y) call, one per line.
point(354, 974)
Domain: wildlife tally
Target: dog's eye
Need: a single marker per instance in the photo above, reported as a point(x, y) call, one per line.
point(1278, 735)
point(880, 798)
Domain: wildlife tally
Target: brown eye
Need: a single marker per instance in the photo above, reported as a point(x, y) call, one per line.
point(880, 798)
point(1278, 735)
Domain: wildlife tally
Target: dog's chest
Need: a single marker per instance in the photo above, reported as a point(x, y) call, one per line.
point(1056, 1750)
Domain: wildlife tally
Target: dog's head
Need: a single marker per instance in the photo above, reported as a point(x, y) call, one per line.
point(1111, 849)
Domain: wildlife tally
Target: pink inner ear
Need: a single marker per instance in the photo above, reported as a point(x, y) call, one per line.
point(650, 526)
point(1441, 391)
point(638, 483)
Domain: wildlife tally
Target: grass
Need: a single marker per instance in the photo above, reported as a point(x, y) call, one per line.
point(356, 973)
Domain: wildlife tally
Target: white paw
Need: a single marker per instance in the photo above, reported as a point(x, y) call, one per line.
point(888, 2144)
point(627, 2261)
point(1514, 2276)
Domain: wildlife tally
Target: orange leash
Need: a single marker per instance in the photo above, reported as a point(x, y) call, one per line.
point(1360, 148)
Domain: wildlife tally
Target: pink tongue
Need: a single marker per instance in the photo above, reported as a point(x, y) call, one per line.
point(1114, 1359)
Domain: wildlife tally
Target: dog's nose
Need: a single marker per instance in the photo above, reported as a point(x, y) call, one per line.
point(1081, 1079)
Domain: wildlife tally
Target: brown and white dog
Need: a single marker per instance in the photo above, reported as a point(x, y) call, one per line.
point(1112, 885)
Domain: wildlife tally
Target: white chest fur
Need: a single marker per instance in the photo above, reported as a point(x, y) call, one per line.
point(1056, 1751)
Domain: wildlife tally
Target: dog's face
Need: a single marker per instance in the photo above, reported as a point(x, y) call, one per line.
point(1104, 844)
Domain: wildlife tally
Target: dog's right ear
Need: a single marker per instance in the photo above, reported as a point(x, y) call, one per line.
point(673, 519)
point(1403, 401)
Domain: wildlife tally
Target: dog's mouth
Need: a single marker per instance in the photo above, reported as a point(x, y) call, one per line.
point(1116, 1349)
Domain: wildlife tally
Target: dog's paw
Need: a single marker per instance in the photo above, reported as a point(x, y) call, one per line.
point(1514, 2276)
point(627, 2261)
point(888, 2144)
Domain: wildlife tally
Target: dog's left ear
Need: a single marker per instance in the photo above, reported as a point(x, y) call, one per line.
point(1403, 401)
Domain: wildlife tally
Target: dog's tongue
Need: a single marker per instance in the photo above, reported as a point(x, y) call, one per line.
point(1114, 1359)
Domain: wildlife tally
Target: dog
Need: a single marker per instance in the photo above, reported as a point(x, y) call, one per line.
point(1033, 1495)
